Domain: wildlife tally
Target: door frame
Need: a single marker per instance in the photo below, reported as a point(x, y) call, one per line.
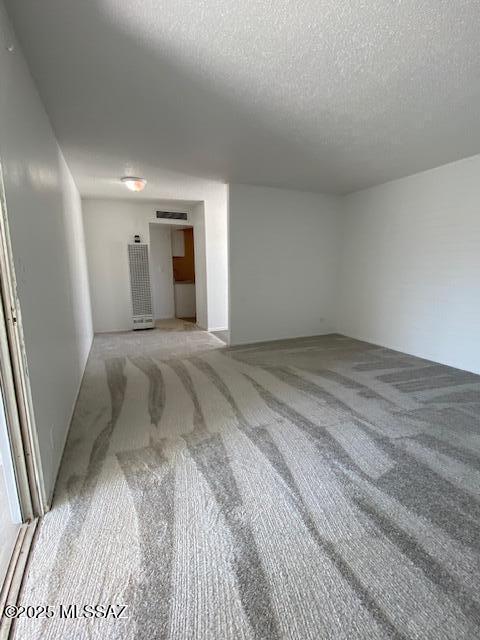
point(19, 418)
point(15, 382)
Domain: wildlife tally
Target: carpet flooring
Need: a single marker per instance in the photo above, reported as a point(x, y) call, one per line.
point(312, 489)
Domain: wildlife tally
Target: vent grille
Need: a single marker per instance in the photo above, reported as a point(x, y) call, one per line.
point(172, 215)
point(140, 286)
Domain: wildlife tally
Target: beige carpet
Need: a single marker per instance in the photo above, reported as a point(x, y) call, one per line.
point(313, 489)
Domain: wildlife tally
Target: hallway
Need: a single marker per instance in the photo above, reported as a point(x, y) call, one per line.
point(304, 489)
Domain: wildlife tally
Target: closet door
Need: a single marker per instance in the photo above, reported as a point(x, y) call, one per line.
point(10, 517)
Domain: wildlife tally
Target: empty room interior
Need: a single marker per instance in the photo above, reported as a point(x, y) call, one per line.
point(240, 320)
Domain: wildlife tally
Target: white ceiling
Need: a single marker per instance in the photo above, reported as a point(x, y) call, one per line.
point(325, 95)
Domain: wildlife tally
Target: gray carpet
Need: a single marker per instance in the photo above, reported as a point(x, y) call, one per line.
point(321, 488)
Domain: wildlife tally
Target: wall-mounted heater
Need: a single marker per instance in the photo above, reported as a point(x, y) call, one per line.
point(140, 286)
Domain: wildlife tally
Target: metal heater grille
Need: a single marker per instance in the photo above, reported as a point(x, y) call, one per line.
point(140, 286)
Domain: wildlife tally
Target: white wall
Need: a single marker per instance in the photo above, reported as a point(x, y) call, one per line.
point(410, 268)
point(44, 212)
point(216, 255)
point(161, 271)
point(283, 263)
point(215, 308)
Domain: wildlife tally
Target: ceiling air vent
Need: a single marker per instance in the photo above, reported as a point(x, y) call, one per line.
point(172, 215)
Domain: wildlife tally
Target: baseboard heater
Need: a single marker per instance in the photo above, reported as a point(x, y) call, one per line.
point(140, 287)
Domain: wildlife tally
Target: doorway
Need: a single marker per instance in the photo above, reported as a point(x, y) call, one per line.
point(183, 261)
point(173, 266)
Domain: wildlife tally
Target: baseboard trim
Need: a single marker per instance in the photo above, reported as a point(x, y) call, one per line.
point(414, 353)
point(48, 505)
point(307, 336)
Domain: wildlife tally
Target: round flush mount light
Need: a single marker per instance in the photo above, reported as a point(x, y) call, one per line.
point(134, 184)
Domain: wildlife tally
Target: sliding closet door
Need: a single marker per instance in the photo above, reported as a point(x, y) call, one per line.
point(10, 518)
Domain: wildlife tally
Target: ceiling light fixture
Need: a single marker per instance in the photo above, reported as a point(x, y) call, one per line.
point(134, 184)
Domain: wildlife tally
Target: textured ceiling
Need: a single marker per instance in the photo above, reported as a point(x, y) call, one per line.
point(325, 95)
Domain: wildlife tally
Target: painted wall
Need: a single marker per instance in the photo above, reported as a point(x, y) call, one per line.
point(283, 263)
point(410, 266)
point(216, 256)
point(212, 305)
point(161, 271)
point(44, 211)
